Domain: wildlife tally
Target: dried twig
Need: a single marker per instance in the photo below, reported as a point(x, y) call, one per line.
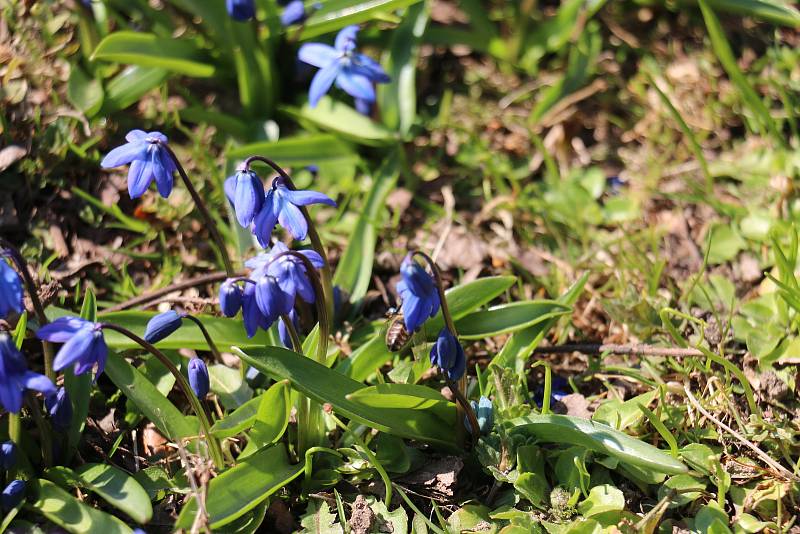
point(216, 276)
point(613, 348)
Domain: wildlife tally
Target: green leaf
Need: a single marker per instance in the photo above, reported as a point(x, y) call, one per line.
point(79, 388)
point(147, 50)
point(405, 397)
point(354, 270)
point(153, 405)
point(271, 419)
point(337, 14)
point(83, 92)
point(508, 318)
point(118, 489)
point(229, 386)
point(620, 415)
point(242, 487)
point(239, 420)
point(599, 438)
point(127, 87)
point(767, 10)
point(319, 519)
point(687, 488)
point(314, 149)
point(602, 499)
point(71, 514)
point(329, 386)
point(333, 116)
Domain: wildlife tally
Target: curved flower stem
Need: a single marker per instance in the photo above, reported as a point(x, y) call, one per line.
point(313, 236)
point(211, 345)
point(183, 384)
point(45, 435)
point(33, 292)
point(201, 206)
point(296, 345)
point(466, 409)
point(460, 391)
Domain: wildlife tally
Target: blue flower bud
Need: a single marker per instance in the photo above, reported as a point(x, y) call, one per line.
point(162, 326)
point(10, 290)
point(420, 298)
point(293, 12)
point(230, 298)
point(60, 409)
point(8, 455)
point(247, 195)
point(13, 495)
point(484, 412)
point(198, 377)
point(241, 10)
point(448, 355)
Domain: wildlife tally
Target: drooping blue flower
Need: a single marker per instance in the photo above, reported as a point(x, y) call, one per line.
point(294, 12)
point(8, 455)
point(15, 377)
point(352, 72)
point(60, 409)
point(84, 344)
point(10, 290)
point(282, 205)
point(13, 494)
point(149, 160)
point(283, 331)
point(251, 314)
point(246, 194)
point(289, 271)
point(420, 299)
point(198, 377)
point(448, 355)
point(271, 299)
point(162, 326)
point(230, 298)
point(484, 413)
point(241, 10)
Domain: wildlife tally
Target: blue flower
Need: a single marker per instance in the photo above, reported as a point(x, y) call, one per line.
point(271, 299)
point(241, 10)
point(448, 355)
point(13, 495)
point(230, 297)
point(8, 455)
point(10, 290)
point(198, 377)
point(246, 194)
point(84, 344)
point(363, 106)
point(282, 205)
point(420, 298)
point(484, 413)
point(559, 388)
point(15, 376)
point(60, 409)
point(148, 159)
point(283, 331)
point(251, 314)
point(288, 270)
point(354, 73)
point(294, 12)
point(162, 326)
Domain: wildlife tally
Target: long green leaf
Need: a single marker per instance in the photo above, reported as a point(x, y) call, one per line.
point(145, 49)
point(337, 14)
point(127, 87)
point(339, 118)
point(71, 514)
point(508, 318)
point(118, 489)
point(766, 10)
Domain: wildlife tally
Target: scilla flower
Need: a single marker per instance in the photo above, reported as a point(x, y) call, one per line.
point(10, 290)
point(241, 10)
point(448, 355)
point(149, 160)
point(484, 412)
point(271, 299)
point(230, 297)
point(13, 494)
point(246, 194)
point(289, 271)
point(251, 314)
point(294, 12)
point(352, 72)
point(8, 455)
point(15, 377)
point(60, 409)
point(84, 344)
point(198, 377)
point(282, 205)
point(420, 299)
point(162, 326)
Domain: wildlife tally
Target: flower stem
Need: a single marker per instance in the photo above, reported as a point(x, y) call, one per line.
point(183, 384)
point(211, 345)
point(296, 345)
point(45, 435)
point(201, 206)
point(313, 236)
point(33, 292)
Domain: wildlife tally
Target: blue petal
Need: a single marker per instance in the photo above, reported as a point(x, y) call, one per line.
point(135, 135)
point(322, 82)
point(122, 155)
point(318, 54)
point(293, 220)
point(10, 290)
point(38, 382)
point(163, 171)
point(412, 312)
point(370, 68)
point(248, 197)
point(314, 257)
point(346, 38)
point(230, 188)
point(10, 396)
point(293, 12)
point(264, 222)
point(305, 198)
point(76, 349)
point(62, 329)
point(139, 177)
point(363, 107)
point(356, 85)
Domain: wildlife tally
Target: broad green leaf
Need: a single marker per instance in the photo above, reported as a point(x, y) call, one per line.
point(238, 420)
point(602, 499)
point(700, 457)
point(341, 119)
point(319, 519)
point(599, 438)
point(620, 415)
point(329, 386)
point(84, 92)
point(147, 50)
point(354, 270)
point(337, 14)
point(404, 396)
point(127, 87)
point(153, 405)
point(294, 152)
point(229, 386)
point(687, 488)
point(71, 514)
point(271, 419)
point(365, 359)
point(242, 487)
point(508, 318)
point(118, 489)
